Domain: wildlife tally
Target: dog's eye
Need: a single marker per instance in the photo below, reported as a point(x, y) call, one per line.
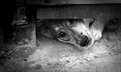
point(62, 34)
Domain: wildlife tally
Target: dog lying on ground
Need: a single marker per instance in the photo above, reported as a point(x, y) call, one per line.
point(81, 33)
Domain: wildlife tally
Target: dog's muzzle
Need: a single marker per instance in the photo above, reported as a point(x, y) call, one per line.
point(81, 41)
point(86, 41)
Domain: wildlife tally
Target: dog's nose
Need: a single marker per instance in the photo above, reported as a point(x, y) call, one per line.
point(85, 41)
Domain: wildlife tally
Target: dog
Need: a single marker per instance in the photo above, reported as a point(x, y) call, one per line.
point(81, 33)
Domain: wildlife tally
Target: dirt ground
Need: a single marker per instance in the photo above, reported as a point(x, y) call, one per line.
point(44, 55)
point(103, 56)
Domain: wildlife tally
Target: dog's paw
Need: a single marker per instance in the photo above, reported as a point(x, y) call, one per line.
point(97, 34)
point(97, 29)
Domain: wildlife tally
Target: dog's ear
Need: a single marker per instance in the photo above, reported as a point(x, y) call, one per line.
point(88, 21)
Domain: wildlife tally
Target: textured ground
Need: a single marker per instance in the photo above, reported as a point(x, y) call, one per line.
point(104, 56)
point(44, 55)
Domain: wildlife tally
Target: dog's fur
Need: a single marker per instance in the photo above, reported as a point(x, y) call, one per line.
point(76, 30)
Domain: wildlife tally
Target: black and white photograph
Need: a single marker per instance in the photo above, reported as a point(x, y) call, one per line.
point(61, 36)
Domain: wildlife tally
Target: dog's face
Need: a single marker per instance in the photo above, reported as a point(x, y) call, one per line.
point(76, 32)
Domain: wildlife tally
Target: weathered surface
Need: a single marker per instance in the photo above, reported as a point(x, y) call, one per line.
point(78, 11)
point(58, 2)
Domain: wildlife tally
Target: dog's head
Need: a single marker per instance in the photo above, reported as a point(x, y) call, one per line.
point(81, 33)
point(73, 31)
